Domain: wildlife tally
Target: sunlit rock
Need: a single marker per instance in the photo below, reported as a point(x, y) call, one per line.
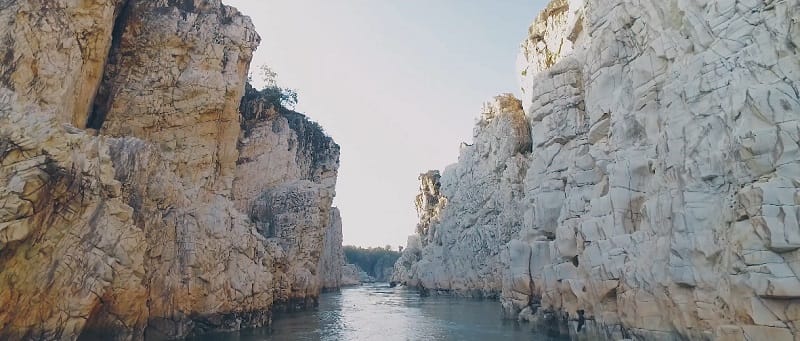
point(136, 199)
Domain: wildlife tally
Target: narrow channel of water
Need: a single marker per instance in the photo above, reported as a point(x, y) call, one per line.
point(377, 312)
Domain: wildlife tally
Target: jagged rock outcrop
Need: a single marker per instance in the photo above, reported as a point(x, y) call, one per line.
point(88, 248)
point(139, 231)
point(57, 187)
point(285, 178)
point(473, 209)
point(277, 146)
point(659, 194)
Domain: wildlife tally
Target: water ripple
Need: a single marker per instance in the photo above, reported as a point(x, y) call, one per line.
point(377, 312)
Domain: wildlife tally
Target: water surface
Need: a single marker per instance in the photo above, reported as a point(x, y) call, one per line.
point(377, 312)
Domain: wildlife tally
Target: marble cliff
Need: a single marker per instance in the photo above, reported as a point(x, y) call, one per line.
point(145, 189)
point(649, 176)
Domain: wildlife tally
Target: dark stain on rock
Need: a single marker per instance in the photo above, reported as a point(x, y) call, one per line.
point(8, 64)
point(785, 104)
point(188, 5)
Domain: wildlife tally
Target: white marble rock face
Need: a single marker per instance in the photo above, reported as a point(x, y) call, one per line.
point(660, 188)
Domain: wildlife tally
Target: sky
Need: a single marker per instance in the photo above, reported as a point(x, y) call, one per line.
point(398, 84)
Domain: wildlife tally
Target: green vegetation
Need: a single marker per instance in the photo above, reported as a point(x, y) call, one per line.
point(374, 261)
point(280, 97)
point(263, 97)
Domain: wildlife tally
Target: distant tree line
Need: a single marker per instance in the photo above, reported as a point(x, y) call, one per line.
point(372, 260)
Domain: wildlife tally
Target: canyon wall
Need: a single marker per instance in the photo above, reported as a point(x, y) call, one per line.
point(285, 180)
point(331, 267)
point(657, 189)
point(472, 209)
point(145, 189)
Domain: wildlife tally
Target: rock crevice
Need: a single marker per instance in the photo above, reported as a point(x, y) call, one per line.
point(101, 102)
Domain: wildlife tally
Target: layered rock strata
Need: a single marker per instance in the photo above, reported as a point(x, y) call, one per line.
point(659, 191)
point(142, 230)
point(175, 77)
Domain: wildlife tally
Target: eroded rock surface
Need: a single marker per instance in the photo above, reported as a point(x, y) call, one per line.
point(285, 179)
point(294, 217)
point(277, 146)
point(660, 191)
point(472, 209)
point(175, 77)
point(55, 53)
point(138, 231)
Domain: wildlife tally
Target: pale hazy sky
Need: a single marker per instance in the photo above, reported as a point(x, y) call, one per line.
point(397, 83)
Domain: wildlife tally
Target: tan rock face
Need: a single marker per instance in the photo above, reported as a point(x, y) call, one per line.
point(61, 200)
point(659, 195)
point(99, 239)
point(141, 235)
point(55, 52)
point(429, 202)
point(175, 77)
point(285, 179)
point(294, 216)
point(207, 268)
point(553, 35)
point(278, 145)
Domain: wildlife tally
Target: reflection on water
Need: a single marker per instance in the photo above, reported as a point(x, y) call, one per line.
point(377, 312)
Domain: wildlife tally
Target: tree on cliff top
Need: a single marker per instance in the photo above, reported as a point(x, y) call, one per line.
point(282, 97)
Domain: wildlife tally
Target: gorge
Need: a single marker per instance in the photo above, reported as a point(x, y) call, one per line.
point(646, 182)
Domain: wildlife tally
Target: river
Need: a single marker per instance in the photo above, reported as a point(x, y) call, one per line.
point(377, 312)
